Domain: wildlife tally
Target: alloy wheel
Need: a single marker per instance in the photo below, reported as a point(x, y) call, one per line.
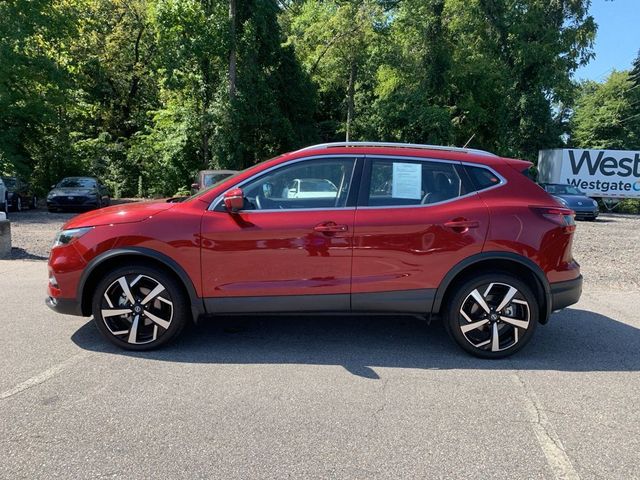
point(137, 309)
point(494, 317)
point(19, 204)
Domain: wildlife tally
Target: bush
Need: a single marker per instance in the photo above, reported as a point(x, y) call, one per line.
point(630, 205)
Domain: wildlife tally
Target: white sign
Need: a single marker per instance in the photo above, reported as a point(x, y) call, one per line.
point(602, 173)
point(407, 181)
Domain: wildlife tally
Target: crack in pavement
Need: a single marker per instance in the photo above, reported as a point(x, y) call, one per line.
point(549, 441)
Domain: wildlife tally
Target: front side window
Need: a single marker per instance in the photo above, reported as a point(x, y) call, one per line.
point(318, 183)
point(9, 182)
point(398, 182)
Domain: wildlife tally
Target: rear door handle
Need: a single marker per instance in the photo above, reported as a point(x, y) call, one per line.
point(461, 225)
point(330, 227)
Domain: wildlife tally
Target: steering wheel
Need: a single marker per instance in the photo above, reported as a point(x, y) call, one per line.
point(425, 199)
point(258, 205)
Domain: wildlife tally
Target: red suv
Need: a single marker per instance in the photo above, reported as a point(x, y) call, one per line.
point(408, 229)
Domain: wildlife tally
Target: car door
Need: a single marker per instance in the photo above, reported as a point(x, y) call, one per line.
point(280, 253)
point(416, 218)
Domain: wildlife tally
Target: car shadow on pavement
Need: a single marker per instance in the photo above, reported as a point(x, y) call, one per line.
point(574, 340)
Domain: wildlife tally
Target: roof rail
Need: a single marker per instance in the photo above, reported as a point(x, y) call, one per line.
point(397, 145)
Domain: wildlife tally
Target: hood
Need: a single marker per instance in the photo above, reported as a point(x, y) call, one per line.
point(575, 200)
point(127, 213)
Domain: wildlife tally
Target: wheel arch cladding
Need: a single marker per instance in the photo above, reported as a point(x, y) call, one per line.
point(98, 267)
point(497, 262)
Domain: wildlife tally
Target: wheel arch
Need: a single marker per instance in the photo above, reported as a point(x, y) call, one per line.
point(497, 261)
point(122, 256)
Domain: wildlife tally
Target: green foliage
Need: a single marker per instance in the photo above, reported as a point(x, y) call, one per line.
point(607, 115)
point(629, 205)
point(143, 92)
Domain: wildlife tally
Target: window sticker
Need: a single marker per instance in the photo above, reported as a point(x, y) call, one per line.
point(407, 181)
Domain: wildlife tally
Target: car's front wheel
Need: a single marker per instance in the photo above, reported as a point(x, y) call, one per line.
point(492, 315)
point(139, 308)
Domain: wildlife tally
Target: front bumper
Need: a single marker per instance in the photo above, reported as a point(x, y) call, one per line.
point(71, 202)
point(565, 293)
point(587, 213)
point(66, 306)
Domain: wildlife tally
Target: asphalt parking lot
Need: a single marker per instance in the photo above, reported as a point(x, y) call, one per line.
point(323, 397)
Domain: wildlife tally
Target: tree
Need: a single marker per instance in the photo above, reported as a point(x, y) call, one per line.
point(34, 83)
point(334, 40)
point(607, 115)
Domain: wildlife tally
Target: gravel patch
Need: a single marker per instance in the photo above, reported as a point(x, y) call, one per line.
point(33, 231)
point(607, 249)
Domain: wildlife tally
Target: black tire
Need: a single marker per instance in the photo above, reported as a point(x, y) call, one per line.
point(148, 334)
point(522, 309)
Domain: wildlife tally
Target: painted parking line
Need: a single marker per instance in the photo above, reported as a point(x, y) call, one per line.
point(45, 375)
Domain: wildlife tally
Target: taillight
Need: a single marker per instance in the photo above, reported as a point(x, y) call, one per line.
point(564, 217)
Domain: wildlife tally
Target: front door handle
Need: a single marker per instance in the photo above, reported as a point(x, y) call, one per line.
point(330, 227)
point(461, 225)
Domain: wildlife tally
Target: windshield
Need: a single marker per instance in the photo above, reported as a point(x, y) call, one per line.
point(213, 185)
point(204, 191)
point(77, 183)
point(213, 178)
point(9, 182)
point(563, 190)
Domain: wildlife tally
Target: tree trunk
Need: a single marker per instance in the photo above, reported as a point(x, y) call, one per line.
point(233, 50)
point(351, 90)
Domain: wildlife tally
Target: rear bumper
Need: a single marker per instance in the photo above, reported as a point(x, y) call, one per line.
point(66, 306)
point(565, 293)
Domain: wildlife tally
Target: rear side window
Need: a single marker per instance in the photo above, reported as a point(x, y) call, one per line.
point(481, 177)
point(399, 182)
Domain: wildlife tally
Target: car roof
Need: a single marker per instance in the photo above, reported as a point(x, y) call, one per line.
point(403, 149)
point(413, 146)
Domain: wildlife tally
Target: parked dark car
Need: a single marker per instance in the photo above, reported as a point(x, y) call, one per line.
point(19, 194)
point(84, 193)
point(3, 197)
point(461, 234)
point(206, 178)
point(569, 196)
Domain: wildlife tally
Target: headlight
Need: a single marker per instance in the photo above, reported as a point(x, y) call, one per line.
point(65, 237)
point(595, 204)
point(562, 201)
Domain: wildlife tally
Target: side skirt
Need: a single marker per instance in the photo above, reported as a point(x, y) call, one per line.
point(416, 302)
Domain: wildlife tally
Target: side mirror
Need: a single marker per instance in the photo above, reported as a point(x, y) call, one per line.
point(53, 186)
point(233, 199)
point(195, 186)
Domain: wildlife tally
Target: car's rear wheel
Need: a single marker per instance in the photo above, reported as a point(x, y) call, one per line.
point(34, 203)
point(492, 315)
point(18, 203)
point(139, 308)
